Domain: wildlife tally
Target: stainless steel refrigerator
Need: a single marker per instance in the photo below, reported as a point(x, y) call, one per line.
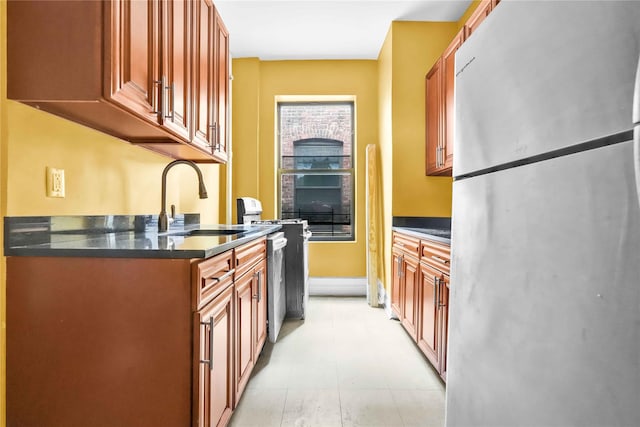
point(545, 284)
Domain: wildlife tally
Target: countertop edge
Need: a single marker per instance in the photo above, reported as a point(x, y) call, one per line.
point(205, 252)
point(412, 231)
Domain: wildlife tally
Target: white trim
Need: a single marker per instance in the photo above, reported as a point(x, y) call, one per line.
point(385, 301)
point(338, 286)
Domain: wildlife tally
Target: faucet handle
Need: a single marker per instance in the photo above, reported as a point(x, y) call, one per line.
point(173, 211)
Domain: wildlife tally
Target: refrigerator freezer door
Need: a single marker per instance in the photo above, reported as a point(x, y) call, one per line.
point(545, 295)
point(538, 76)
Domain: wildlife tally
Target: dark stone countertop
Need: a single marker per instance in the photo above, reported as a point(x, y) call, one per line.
point(124, 236)
point(434, 228)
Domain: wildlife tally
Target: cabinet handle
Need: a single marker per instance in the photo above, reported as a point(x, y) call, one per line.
point(400, 262)
point(224, 276)
point(258, 277)
point(210, 360)
point(440, 260)
point(156, 95)
point(259, 286)
point(171, 90)
point(438, 156)
point(214, 135)
point(436, 284)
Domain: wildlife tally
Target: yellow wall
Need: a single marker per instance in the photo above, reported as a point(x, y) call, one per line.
point(103, 175)
point(385, 108)
point(245, 127)
point(407, 54)
point(301, 78)
point(416, 47)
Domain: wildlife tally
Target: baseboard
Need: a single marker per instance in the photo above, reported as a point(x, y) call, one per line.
point(385, 301)
point(338, 286)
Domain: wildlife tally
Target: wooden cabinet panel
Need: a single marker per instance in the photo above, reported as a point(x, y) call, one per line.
point(444, 325)
point(428, 334)
point(244, 333)
point(433, 123)
point(176, 49)
point(214, 388)
point(212, 276)
point(396, 276)
point(260, 306)
point(135, 64)
point(203, 85)
point(221, 88)
point(409, 291)
point(437, 254)
point(408, 244)
point(478, 15)
point(448, 117)
point(248, 255)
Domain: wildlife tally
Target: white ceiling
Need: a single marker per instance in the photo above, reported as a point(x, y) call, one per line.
point(325, 29)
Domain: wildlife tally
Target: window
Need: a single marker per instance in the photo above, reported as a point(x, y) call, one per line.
point(316, 166)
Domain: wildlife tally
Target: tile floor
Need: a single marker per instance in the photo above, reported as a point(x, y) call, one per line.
point(346, 364)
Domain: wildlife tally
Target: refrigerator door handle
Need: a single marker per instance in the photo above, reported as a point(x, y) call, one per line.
point(636, 129)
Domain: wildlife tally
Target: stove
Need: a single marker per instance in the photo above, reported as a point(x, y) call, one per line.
point(296, 259)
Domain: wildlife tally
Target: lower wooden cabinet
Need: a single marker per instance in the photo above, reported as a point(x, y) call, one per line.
point(214, 387)
point(251, 313)
point(132, 342)
point(410, 292)
point(420, 294)
point(428, 339)
point(432, 330)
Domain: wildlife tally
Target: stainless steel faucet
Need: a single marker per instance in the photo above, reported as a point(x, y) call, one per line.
point(163, 219)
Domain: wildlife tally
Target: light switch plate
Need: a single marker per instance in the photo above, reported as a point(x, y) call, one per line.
point(55, 182)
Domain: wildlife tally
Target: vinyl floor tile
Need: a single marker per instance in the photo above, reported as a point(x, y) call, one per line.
point(346, 364)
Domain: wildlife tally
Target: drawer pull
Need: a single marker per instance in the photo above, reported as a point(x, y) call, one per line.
point(440, 260)
point(209, 361)
point(224, 276)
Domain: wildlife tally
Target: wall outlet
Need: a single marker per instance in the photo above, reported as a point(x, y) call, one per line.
point(55, 182)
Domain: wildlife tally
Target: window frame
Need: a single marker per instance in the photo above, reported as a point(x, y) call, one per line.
point(349, 172)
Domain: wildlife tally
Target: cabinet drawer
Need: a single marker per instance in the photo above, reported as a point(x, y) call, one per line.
point(436, 254)
point(213, 276)
point(248, 255)
point(408, 244)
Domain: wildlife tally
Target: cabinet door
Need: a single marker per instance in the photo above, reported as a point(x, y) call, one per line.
point(135, 60)
point(433, 122)
point(221, 88)
point(448, 80)
point(203, 84)
point(244, 332)
point(478, 15)
point(396, 272)
point(214, 341)
point(428, 336)
point(260, 304)
point(176, 68)
point(444, 324)
point(409, 300)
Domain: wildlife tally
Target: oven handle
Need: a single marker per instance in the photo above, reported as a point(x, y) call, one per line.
point(279, 243)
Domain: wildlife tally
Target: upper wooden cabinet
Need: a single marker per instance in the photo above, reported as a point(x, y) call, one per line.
point(482, 11)
point(147, 72)
point(221, 88)
point(433, 122)
point(440, 100)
